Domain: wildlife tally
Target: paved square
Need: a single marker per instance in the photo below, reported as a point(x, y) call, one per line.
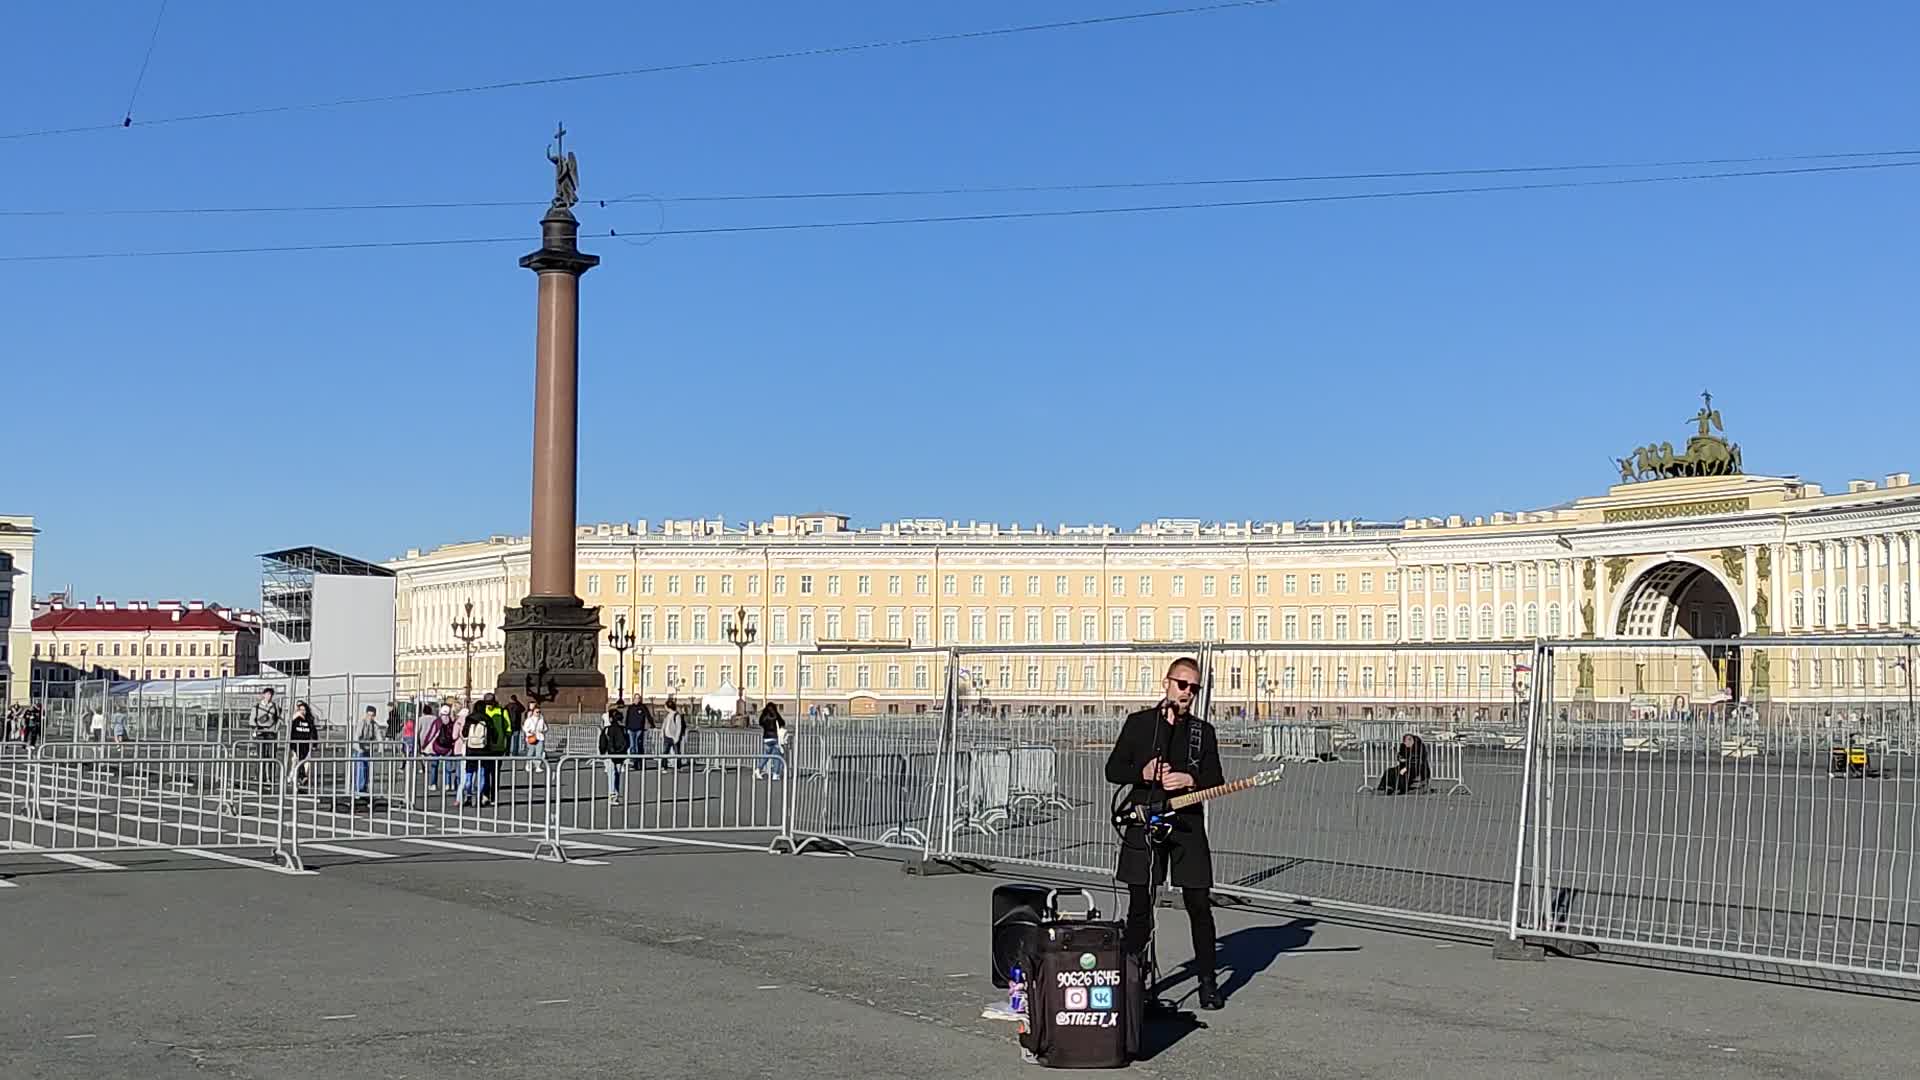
point(686, 960)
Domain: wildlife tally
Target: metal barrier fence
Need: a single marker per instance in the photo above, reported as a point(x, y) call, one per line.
point(1312, 837)
point(659, 794)
point(213, 709)
point(1754, 800)
point(71, 806)
point(1679, 817)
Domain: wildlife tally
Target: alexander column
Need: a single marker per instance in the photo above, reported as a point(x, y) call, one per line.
point(553, 638)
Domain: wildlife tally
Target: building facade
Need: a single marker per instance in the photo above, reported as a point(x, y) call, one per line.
point(16, 607)
point(141, 640)
point(1349, 618)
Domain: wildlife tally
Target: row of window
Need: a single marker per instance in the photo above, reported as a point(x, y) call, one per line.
point(74, 675)
point(895, 584)
point(193, 648)
point(1880, 550)
point(1461, 578)
point(1844, 613)
point(1836, 670)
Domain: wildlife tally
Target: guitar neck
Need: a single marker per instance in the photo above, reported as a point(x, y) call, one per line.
point(1192, 798)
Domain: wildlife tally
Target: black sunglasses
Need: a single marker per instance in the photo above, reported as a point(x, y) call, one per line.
point(1184, 684)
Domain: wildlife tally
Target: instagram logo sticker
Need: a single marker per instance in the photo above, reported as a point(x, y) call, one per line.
point(1076, 998)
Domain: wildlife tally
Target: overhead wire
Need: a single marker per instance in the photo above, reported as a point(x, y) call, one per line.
point(152, 39)
point(655, 69)
point(1015, 215)
point(1004, 189)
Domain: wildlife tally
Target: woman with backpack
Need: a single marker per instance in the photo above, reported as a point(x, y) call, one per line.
point(439, 747)
point(473, 739)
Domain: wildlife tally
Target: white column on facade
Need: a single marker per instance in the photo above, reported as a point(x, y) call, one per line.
point(1401, 578)
point(1913, 577)
point(1540, 593)
point(1743, 619)
point(1472, 629)
point(1426, 617)
point(1827, 552)
point(1875, 616)
point(1497, 627)
point(1805, 554)
point(1846, 581)
point(1780, 591)
point(1570, 587)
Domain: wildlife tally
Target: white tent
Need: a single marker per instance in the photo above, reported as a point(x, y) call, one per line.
point(723, 701)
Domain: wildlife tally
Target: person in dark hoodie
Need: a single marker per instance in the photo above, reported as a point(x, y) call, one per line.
point(1410, 770)
point(302, 733)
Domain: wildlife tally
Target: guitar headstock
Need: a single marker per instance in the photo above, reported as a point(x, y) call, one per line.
point(1270, 776)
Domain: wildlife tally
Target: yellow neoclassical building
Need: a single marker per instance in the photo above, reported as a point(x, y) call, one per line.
point(1421, 616)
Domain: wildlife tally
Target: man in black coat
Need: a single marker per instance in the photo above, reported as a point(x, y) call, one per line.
point(1163, 752)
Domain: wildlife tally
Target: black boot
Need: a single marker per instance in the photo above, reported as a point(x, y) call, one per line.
point(1210, 998)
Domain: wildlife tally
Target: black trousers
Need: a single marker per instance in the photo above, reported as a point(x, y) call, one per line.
point(1199, 903)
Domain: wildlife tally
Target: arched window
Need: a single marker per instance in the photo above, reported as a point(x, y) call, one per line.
point(1553, 620)
point(1533, 620)
point(1463, 621)
point(1799, 608)
point(1486, 621)
point(1820, 607)
point(1417, 623)
point(1509, 622)
point(1439, 623)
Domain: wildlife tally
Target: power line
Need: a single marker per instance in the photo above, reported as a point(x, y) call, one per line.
point(657, 69)
point(152, 38)
point(1015, 215)
point(1123, 185)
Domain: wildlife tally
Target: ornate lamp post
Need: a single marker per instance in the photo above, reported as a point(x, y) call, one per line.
point(741, 635)
point(468, 630)
point(619, 640)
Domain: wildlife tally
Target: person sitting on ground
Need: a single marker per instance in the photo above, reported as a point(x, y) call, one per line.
point(1410, 771)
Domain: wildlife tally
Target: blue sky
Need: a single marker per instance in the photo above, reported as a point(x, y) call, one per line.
point(168, 419)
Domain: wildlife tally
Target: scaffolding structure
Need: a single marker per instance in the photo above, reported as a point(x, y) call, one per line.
point(286, 594)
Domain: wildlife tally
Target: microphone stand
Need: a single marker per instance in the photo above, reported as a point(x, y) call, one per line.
point(1155, 1003)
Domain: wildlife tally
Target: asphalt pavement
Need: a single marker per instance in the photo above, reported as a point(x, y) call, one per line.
point(677, 959)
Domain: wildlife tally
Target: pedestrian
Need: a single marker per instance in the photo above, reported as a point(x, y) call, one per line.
point(773, 736)
point(533, 730)
point(615, 719)
point(638, 720)
point(439, 746)
point(302, 733)
point(364, 739)
point(265, 718)
point(613, 740)
point(409, 737)
point(672, 732)
point(477, 739)
point(516, 715)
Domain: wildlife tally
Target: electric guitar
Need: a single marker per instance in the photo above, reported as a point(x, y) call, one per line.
point(1158, 821)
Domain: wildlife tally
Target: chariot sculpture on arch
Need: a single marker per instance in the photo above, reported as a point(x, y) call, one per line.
point(1707, 453)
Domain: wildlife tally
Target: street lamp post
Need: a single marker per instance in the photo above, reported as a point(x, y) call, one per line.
point(620, 641)
point(467, 631)
point(741, 635)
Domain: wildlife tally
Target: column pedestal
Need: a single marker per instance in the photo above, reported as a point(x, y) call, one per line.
point(553, 650)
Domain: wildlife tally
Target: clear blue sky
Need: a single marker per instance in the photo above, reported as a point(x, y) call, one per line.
point(168, 419)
